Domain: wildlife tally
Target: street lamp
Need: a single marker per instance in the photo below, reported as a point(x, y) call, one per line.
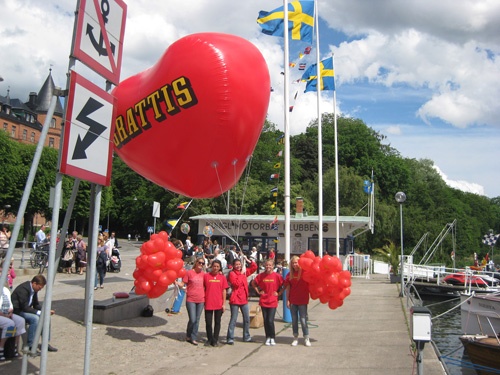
point(5, 209)
point(401, 198)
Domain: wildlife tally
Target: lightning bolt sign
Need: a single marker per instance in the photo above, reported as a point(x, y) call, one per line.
point(87, 146)
point(95, 129)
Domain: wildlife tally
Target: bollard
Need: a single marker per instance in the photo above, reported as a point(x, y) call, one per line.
point(21, 266)
point(287, 315)
point(176, 308)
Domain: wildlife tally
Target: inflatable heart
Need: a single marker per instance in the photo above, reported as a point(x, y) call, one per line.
point(191, 122)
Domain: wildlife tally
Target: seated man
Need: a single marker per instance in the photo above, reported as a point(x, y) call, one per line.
point(25, 302)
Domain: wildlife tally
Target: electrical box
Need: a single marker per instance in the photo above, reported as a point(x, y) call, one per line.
point(420, 323)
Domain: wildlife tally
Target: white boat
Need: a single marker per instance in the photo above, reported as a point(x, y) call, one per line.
point(480, 313)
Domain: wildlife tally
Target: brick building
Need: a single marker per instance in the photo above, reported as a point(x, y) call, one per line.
point(23, 121)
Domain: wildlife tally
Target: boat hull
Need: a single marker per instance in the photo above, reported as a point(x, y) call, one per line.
point(483, 351)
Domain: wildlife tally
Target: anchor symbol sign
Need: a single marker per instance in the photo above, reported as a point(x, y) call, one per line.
point(99, 37)
point(99, 46)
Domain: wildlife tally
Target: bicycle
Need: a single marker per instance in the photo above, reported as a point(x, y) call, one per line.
point(39, 257)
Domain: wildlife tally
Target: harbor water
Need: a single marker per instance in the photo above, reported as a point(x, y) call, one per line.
point(446, 330)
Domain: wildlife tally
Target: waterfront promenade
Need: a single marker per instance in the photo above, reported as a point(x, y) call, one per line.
point(368, 335)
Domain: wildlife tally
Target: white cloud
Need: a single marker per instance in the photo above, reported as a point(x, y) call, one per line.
point(469, 187)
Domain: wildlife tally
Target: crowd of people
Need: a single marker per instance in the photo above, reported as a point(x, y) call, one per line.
point(216, 275)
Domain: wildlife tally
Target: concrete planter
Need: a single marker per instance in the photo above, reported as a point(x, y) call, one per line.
point(394, 278)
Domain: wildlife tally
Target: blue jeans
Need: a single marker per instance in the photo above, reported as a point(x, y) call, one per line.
point(194, 313)
point(234, 318)
point(299, 312)
point(101, 273)
point(32, 320)
point(268, 314)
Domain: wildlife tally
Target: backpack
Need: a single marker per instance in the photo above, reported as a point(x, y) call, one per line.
point(101, 259)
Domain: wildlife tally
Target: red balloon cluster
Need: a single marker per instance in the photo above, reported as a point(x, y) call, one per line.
point(327, 281)
point(158, 266)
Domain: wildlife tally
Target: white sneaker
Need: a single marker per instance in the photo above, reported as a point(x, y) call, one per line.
point(273, 342)
point(307, 342)
point(295, 342)
point(268, 341)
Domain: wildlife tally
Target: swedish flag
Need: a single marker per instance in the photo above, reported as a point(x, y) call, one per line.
point(10, 331)
point(300, 21)
point(326, 76)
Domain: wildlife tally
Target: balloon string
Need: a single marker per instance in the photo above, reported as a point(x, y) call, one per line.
point(218, 179)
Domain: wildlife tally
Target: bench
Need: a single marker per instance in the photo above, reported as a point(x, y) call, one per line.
point(115, 309)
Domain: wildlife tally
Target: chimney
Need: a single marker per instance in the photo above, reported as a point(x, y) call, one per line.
point(299, 207)
point(32, 100)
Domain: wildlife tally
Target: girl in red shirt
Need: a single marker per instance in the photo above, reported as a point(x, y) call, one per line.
point(215, 298)
point(297, 291)
point(268, 285)
point(239, 299)
point(195, 298)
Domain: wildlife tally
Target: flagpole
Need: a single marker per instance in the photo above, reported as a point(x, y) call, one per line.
point(320, 137)
point(287, 133)
point(337, 216)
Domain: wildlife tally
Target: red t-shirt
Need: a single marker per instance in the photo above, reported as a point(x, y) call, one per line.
point(214, 286)
point(299, 290)
point(239, 284)
point(269, 283)
point(195, 291)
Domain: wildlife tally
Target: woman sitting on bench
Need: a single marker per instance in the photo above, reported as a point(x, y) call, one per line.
point(10, 323)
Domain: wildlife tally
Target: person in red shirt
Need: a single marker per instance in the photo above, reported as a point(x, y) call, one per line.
point(272, 254)
point(215, 298)
point(239, 298)
point(195, 298)
point(268, 286)
point(297, 291)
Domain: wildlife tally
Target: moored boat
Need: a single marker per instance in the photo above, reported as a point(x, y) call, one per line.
point(480, 313)
point(484, 352)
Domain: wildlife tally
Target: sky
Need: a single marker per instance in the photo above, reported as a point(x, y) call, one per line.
point(425, 74)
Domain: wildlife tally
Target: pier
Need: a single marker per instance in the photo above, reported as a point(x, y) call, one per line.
point(368, 335)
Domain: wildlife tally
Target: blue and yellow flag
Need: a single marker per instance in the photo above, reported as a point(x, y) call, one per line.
point(300, 21)
point(326, 76)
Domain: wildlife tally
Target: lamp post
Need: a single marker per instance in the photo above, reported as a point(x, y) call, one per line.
point(5, 209)
point(401, 198)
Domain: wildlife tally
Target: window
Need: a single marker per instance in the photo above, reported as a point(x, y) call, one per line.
point(5, 125)
point(13, 132)
point(53, 122)
point(32, 138)
point(25, 134)
point(51, 142)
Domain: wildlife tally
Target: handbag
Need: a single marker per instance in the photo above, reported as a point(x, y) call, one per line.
point(256, 317)
point(68, 255)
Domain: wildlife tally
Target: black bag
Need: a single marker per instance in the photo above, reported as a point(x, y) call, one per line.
point(9, 350)
point(148, 311)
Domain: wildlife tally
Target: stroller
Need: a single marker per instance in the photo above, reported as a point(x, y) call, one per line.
point(115, 263)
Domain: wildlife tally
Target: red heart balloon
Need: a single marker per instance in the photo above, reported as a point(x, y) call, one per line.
point(191, 122)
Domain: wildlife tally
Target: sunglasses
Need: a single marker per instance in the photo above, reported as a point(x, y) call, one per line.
point(202, 263)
